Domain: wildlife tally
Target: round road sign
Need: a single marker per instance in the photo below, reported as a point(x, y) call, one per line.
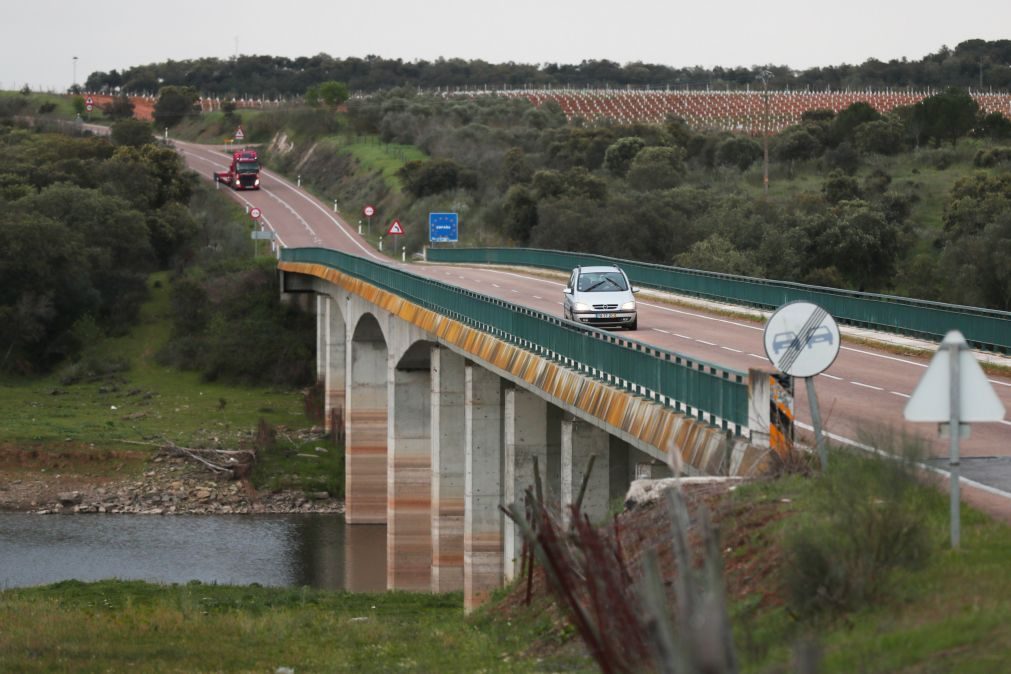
point(801, 339)
point(369, 211)
point(255, 213)
point(89, 107)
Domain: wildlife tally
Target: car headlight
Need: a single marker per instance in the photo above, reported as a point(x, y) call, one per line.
point(579, 306)
point(628, 306)
point(257, 182)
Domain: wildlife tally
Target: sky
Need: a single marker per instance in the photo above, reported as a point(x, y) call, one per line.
point(40, 38)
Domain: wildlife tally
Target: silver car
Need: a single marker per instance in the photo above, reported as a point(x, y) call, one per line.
point(600, 296)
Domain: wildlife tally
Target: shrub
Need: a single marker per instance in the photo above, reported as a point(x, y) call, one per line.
point(870, 520)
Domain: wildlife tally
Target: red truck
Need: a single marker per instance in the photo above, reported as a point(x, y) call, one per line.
point(243, 173)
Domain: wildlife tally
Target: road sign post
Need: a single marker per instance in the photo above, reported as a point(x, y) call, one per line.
point(396, 230)
point(954, 392)
point(802, 340)
point(443, 227)
point(368, 212)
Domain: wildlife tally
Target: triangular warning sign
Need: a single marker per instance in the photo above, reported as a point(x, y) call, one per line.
point(395, 228)
point(931, 401)
point(239, 135)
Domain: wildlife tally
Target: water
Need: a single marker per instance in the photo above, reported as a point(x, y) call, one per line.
point(279, 550)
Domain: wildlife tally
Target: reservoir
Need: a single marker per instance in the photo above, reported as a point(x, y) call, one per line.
point(317, 550)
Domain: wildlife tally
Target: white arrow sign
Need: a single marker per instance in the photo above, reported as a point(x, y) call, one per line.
point(931, 401)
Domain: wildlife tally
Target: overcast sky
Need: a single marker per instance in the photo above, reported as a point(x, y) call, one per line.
point(40, 38)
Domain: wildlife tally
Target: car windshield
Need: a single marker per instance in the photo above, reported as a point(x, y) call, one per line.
point(247, 167)
point(601, 281)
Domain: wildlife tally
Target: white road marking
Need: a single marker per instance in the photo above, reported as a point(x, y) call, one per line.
point(853, 443)
point(730, 349)
point(755, 355)
point(537, 297)
point(831, 376)
point(870, 386)
point(901, 395)
point(495, 285)
point(702, 341)
point(676, 334)
point(659, 330)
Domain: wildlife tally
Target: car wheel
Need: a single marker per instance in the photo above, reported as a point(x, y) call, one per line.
point(634, 325)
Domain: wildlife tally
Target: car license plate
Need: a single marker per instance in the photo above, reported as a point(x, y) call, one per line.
point(605, 315)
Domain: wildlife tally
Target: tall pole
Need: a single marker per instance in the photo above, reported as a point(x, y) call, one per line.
point(765, 132)
point(954, 430)
point(73, 86)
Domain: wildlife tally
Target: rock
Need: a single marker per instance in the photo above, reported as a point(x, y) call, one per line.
point(69, 498)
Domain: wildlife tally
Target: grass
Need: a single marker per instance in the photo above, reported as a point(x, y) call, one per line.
point(140, 627)
point(949, 616)
point(96, 425)
point(147, 401)
point(374, 155)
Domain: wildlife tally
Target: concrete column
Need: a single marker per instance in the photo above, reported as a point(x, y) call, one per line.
point(448, 462)
point(526, 437)
point(409, 474)
point(621, 469)
point(365, 558)
point(482, 526)
point(579, 441)
point(365, 453)
point(336, 362)
point(321, 329)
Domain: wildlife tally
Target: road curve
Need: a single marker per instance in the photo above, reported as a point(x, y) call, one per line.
point(861, 396)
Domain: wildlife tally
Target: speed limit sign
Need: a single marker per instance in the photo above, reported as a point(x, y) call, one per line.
point(369, 211)
point(255, 213)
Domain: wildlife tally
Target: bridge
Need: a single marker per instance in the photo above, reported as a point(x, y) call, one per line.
point(450, 379)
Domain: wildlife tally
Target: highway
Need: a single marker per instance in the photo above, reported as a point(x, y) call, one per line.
point(862, 395)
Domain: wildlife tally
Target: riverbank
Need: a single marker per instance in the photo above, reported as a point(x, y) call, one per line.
point(153, 484)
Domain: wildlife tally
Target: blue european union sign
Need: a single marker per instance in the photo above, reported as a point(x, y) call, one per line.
point(443, 227)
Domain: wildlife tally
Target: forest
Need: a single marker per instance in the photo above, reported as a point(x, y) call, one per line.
point(971, 64)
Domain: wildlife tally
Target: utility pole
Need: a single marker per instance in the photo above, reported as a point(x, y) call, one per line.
point(764, 76)
point(73, 85)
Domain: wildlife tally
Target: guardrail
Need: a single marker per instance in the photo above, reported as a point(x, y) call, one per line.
point(709, 392)
point(985, 329)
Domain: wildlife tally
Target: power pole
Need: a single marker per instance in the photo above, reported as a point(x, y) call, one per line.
point(764, 76)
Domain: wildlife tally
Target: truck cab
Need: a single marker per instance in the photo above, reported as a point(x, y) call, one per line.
point(243, 173)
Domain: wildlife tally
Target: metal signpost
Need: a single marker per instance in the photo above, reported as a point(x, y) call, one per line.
point(395, 230)
point(802, 340)
point(954, 392)
point(368, 212)
point(443, 227)
point(256, 235)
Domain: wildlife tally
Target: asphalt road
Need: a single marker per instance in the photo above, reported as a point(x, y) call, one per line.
point(861, 396)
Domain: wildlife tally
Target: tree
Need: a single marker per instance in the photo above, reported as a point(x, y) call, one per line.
point(435, 176)
point(718, 254)
point(131, 132)
point(519, 214)
point(120, 107)
point(175, 104)
point(657, 168)
point(79, 104)
point(333, 93)
point(739, 152)
point(620, 154)
point(840, 187)
point(946, 116)
point(849, 119)
point(881, 136)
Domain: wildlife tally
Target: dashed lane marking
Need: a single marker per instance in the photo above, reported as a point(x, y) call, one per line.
point(870, 386)
point(901, 395)
point(702, 341)
point(831, 376)
point(731, 349)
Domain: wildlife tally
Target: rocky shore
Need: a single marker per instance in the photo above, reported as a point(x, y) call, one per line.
point(169, 486)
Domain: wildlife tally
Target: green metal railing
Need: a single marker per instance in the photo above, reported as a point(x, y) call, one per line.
point(983, 328)
point(714, 394)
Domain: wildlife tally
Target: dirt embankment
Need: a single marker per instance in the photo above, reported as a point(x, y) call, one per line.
point(44, 483)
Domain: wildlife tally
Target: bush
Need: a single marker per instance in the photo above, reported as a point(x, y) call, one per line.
point(869, 521)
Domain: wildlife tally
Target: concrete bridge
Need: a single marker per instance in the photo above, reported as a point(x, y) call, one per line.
point(443, 421)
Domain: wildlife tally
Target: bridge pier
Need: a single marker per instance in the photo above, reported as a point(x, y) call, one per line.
point(482, 522)
point(334, 357)
point(366, 422)
point(409, 475)
point(580, 440)
point(526, 438)
point(448, 461)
